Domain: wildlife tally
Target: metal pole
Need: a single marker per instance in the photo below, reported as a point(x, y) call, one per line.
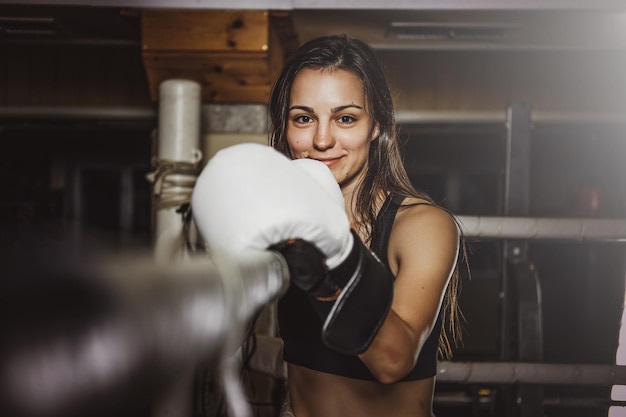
point(177, 154)
point(521, 317)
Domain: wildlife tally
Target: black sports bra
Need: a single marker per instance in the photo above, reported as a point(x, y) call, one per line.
point(300, 327)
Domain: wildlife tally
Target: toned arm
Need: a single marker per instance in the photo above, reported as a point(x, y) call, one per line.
point(422, 252)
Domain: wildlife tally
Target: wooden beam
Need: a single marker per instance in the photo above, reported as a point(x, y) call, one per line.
point(233, 54)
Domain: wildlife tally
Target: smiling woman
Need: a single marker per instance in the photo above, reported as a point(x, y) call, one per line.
point(331, 103)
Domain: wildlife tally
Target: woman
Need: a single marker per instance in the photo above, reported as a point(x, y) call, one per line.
point(331, 103)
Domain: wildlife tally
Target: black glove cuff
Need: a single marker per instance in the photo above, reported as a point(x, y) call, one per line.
point(362, 306)
point(342, 273)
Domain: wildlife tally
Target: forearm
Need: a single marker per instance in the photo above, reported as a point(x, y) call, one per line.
point(394, 350)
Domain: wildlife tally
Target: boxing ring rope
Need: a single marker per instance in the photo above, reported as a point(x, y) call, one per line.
point(571, 229)
point(530, 373)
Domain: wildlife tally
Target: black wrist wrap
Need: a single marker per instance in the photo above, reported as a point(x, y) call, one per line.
point(363, 304)
point(307, 267)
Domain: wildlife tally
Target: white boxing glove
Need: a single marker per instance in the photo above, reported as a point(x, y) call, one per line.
point(322, 174)
point(250, 196)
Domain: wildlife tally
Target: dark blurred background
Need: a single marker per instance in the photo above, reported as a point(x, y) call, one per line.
point(79, 109)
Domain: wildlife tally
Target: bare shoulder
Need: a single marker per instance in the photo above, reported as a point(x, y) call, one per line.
point(423, 231)
point(419, 215)
point(422, 252)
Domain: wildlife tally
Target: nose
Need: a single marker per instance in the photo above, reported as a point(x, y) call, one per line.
point(323, 138)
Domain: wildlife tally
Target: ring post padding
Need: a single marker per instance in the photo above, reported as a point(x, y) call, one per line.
point(177, 146)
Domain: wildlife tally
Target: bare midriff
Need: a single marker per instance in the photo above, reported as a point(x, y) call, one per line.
point(318, 394)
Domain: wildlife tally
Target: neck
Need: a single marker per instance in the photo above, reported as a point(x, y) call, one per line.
point(350, 202)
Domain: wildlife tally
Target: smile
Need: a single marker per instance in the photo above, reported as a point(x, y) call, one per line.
point(329, 161)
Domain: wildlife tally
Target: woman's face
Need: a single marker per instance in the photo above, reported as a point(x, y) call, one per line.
point(328, 121)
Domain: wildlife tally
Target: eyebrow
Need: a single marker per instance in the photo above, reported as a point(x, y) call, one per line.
point(333, 110)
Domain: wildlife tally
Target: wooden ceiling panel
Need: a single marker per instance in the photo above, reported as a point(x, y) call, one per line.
point(232, 54)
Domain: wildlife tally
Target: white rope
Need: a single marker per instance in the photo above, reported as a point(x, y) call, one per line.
point(173, 181)
point(578, 229)
point(531, 373)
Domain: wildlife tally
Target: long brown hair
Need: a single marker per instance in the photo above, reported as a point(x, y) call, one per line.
point(385, 170)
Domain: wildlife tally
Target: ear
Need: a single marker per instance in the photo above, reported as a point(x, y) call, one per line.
point(375, 131)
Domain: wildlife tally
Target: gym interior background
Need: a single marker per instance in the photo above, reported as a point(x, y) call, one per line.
point(79, 108)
